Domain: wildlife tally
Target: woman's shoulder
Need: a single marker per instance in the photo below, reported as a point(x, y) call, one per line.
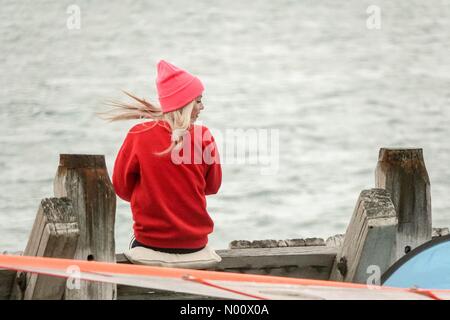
point(144, 126)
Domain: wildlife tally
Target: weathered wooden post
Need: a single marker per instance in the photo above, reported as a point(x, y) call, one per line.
point(7, 279)
point(369, 243)
point(84, 179)
point(403, 174)
point(55, 234)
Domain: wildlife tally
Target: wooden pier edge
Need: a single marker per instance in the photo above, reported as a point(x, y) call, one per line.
point(311, 262)
point(369, 243)
point(84, 179)
point(388, 221)
point(403, 174)
point(316, 258)
point(55, 234)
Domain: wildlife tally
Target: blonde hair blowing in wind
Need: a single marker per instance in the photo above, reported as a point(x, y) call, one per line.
point(178, 120)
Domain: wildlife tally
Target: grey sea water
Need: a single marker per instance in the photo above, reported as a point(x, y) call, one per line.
point(336, 91)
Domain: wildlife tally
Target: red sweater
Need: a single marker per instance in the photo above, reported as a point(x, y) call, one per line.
point(167, 199)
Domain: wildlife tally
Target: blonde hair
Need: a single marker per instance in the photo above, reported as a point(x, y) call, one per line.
point(179, 120)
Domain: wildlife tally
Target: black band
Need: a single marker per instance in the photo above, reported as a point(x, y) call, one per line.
point(166, 250)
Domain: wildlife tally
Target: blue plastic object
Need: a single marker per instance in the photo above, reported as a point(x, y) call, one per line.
point(426, 267)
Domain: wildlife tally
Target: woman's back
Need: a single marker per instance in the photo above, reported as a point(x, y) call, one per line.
point(167, 191)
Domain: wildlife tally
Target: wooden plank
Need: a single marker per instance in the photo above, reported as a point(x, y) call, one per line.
point(313, 262)
point(369, 243)
point(7, 278)
point(135, 293)
point(336, 240)
point(320, 256)
point(440, 232)
point(54, 234)
point(403, 174)
point(272, 243)
point(240, 260)
point(84, 179)
point(301, 262)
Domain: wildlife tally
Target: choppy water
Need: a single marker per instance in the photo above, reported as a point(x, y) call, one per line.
point(335, 90)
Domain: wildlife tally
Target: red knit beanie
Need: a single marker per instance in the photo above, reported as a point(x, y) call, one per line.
point(176, 87)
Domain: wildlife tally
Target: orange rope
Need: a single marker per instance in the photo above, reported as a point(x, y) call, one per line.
point(201, 281)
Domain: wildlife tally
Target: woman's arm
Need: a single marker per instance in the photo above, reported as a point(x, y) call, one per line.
point(213, 174)
point(213, 179)
point(126, 170)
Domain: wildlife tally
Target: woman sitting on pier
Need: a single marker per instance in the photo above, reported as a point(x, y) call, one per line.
point(165, 168)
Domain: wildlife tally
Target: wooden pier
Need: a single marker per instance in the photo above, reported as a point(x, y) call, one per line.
point(388, 221)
